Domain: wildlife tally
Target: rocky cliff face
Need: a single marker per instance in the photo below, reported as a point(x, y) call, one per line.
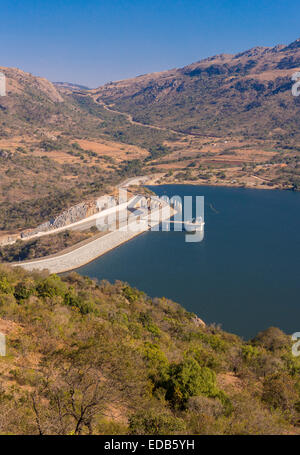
point(72, 215)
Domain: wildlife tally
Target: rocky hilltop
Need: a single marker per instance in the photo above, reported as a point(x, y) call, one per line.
point(18, 82)
point(248, 93)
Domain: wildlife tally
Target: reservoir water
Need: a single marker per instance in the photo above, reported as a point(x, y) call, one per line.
point(244, 275)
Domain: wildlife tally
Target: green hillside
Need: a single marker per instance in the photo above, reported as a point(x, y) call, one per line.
point(95, 358)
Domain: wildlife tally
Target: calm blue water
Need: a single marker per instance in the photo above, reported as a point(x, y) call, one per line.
point(244, 275)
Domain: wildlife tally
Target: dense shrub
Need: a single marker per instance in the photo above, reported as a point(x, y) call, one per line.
point(97, 350)
point(188, 379)
point(150, 422)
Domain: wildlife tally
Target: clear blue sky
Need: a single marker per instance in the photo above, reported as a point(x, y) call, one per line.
point(94, 41)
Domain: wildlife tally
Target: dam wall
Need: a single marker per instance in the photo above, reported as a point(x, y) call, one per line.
point(95, 248)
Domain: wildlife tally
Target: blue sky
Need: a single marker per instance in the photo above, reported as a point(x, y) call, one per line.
point(95, 41)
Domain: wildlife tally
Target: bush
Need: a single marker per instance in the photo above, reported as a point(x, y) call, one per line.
point(157, 363)
point(152, 422)
point(51, 286)
point(279, 392)
point(83, 305)
point(132, 294)
point(188, 379)
point(24, 290)
point(205, 406)
point(271, 339)
point(5, 285)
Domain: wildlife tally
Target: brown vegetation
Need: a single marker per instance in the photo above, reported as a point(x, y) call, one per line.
point(74, 347)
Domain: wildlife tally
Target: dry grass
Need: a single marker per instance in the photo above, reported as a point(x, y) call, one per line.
point(115, 150)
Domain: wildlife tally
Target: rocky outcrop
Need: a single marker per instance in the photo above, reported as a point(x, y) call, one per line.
point(72, 215)
point(76, 213)
point(198, 322)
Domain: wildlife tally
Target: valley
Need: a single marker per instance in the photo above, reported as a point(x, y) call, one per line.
point(63, 145)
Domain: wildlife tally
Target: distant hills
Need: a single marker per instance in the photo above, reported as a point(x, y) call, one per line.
point(35, 106)
point(245, 94)
point(248, 93)
point(71, 86)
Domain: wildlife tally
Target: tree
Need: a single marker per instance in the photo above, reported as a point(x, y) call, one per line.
point(279, 392)
point(187, 379)
point(74, 391)
point(271, 339)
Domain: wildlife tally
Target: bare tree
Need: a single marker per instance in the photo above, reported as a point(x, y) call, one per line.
point(75, 391)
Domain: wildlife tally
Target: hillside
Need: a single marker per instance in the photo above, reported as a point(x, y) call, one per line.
point(95, 358)
point(74, 347)
point(226, 120)
point(58, 148)
point(245, 94)
point(237, 121)
point(37, 107)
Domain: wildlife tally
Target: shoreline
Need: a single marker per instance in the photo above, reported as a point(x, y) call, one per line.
point(223, 184)
point(90, 250)
point(34, 265)
point(99, 240)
